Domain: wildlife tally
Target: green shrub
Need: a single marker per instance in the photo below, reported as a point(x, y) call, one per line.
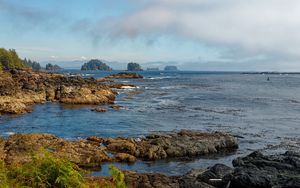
point(44, 171)
point(118, 177)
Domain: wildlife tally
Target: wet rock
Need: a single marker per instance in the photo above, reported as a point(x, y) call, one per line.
point(257, 170)
point(117, 107)
point(99, 109)
point(215, 175)
point(125, 75)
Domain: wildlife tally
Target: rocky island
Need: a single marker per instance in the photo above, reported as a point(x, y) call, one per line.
point(134, 67)
point(95, 64)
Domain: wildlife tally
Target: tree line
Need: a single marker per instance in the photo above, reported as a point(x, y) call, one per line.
point(9, 59)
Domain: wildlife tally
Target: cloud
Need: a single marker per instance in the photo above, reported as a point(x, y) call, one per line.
point(83, 58)
point(250, 28)
point(25, 16)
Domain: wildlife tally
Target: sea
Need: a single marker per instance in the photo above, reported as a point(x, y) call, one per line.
point(261, 110)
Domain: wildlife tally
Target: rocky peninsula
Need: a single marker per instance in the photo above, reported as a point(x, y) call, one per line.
point(20, 89)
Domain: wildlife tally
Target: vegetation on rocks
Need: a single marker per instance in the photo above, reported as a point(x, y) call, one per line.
point(43, 171)
point(9, 59)
point(51, 67)
point(134, 67)
point(95, 64)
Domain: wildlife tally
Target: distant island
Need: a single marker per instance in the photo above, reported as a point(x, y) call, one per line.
point(134, 67)
point(50, 67)
point(171, 68)
point(153, 69)
point(95, 64)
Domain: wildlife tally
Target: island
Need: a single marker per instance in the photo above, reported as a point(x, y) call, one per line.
point(134, 67)
point(96, 64)
point(50, 67)
point(171, 68)
point(153, 69)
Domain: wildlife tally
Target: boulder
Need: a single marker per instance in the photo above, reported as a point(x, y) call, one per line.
point(257, 170)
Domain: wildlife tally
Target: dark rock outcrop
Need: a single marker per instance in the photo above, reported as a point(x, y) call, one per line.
point(257, 170)
point(125, 75)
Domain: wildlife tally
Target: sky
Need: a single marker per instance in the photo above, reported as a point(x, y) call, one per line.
point(231, 35)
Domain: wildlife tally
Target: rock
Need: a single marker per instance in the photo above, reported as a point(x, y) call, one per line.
point(95, 139)
point(124, 157)
point(257, 170)
point(215, 174)
point(125, 75)
point(117, 107)
point(99, 109)
point(20, 147)
point(121, 145)
point(184, 144)
point(150, 180)
point(19, 90)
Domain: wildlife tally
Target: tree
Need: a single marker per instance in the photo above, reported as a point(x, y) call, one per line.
point(95, 64)
point(134, 67)
point(51, 67)
point(9, 59)
point(33, 64)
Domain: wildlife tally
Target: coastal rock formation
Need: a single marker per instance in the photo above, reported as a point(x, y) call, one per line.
point(19, 148)
point(21, 89)
point(94, 150)
point(182, 144)
point(125, 75)
point(257, 170)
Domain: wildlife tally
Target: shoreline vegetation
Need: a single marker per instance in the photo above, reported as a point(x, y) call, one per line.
point(44, 160)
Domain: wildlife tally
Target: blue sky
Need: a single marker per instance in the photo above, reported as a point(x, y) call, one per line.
point(192, 34)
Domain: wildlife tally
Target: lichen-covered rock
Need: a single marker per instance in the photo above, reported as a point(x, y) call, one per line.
point(20, 147)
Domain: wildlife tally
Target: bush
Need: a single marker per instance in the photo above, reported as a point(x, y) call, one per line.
point(44, 171)
point(118, 177)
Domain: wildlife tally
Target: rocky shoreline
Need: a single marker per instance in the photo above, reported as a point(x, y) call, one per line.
point(93, 151)
point(253, 171)
point(20, 89)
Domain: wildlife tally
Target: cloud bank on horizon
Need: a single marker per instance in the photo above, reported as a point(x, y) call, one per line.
point(257, 34)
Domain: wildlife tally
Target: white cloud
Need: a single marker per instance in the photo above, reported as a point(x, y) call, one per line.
point(255, 26)
point(83, 58)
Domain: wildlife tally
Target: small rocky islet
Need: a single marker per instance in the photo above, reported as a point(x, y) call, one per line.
point(20, 89)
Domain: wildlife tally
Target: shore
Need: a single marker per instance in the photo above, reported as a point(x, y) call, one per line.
point(22, 89)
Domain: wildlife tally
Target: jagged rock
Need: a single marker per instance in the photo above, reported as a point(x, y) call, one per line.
point(257, 170)
point(99, 109)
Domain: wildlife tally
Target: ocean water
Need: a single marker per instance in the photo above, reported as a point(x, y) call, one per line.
point(262, 114)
